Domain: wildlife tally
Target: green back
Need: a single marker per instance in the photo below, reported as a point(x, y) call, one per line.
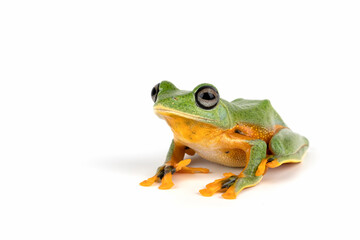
point(258, 112)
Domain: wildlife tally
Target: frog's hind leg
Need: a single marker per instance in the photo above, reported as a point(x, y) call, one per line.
point(286, 147)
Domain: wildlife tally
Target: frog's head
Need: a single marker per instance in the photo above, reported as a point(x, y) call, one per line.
point(203, 104)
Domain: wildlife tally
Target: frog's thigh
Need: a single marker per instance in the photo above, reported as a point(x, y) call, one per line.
point(286, 147)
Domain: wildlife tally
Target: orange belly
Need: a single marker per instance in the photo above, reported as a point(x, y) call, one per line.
point(206, 140)
point(213, 143)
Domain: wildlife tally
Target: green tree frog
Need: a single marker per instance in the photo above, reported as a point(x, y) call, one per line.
point(242, 133)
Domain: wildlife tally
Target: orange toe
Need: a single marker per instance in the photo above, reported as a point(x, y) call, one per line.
point(149, 181)
point(182, 163)
point(206, 192)
point(193, 170)
point(273, 164)
point(261, 168)
point(229, 174)
point(230, 193)
point(166, 182)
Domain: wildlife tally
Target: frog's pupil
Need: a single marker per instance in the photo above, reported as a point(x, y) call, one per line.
point(153, 92)
point(207, 96)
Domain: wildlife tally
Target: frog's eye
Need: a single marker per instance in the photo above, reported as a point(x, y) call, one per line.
point(207, 97)
point(154, 92)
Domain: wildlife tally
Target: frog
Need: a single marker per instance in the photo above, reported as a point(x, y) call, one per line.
point(247, 134)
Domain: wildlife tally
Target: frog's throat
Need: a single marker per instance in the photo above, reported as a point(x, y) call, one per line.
point(168, 112)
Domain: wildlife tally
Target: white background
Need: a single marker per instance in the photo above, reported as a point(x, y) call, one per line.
point(78, 133)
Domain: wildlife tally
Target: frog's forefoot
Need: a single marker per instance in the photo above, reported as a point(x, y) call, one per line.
point(165, 172)
point(232, 185)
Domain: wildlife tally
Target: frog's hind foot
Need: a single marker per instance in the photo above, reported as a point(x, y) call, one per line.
point(165, 172)
point(231, 184)
point(287, 147)
point(297, 157)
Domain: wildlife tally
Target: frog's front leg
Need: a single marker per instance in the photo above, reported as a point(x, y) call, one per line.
point(233, 184)
point(174, 163)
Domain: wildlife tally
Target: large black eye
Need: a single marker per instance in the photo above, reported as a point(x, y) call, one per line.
point(207, 97)
point(154, 92)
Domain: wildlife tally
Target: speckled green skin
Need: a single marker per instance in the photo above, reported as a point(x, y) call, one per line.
point(225, 115)
point(285, 145)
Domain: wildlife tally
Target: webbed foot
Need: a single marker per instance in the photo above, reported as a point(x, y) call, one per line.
point(165, 172)
point(232, 185)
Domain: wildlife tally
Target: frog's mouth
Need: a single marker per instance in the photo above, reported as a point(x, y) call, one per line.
point(167, 112)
